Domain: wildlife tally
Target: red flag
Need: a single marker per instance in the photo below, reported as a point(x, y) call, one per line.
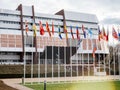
point(52, 28)
point(114, 33)
point(41, 29)
point(48, 29)
point(104, 34)
point(26, 27)
point(94, 49)
point(77, 32)
point(84, 32)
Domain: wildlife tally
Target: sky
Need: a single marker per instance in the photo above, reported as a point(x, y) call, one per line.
point(107, 11)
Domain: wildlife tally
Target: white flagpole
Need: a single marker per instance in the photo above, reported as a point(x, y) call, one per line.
point(113, 57)
point(71, 56)
point(65, 62)
point(118, 50)
point(58, 65)
point(52, 57)
point(32, 63)
point(104, 56)
point(88, 54)
point(39, 68)
point(77, 57)
point(109, 63)
point(46, 61)
point(24, 60)
point(99, 56)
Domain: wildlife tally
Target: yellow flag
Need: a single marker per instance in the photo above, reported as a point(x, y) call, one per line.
point(65, 31)
point(34, 28)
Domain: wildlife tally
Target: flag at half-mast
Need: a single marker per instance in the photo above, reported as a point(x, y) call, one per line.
point(26, 28)
point(52, 28)
point(34, 28)
point(71, 32)
point(59, 32)
point(114, 33)
point(41, 28)
point(65, 31)
point(94, 49)
point(48, 29)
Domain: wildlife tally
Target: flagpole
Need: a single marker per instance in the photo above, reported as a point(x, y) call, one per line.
point(52, 57)
point(88, 55)
point(32, 63)
point(113, 57)
point(24, 61)
point(77, 58)
point(109, 63)
point(82, 59)
point(58, 65)
point(118, 51)
point(71, 57)
point(119, 60)
point(39, 68)
point(65, 62)
point(46, 59)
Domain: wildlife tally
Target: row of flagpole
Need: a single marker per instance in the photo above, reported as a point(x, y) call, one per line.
point(114, 35)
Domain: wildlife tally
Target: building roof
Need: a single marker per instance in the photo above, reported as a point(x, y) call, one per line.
point(77, 16)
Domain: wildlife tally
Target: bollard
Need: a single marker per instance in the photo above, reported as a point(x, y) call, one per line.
point(45, 85)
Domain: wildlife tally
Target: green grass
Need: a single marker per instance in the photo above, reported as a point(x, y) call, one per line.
point(106, 85)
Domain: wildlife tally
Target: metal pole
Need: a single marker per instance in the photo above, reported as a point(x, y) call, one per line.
point(65, 62)
point(71, 56)
point(32, 63)
point(24, 63)
point(52, 58)
point(58, 65)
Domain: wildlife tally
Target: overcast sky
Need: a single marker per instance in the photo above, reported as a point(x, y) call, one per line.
point(107, 11)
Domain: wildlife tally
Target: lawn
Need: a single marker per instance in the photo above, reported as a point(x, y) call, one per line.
point(105, 85)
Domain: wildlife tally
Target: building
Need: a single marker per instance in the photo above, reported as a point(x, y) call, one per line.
point(14, 44)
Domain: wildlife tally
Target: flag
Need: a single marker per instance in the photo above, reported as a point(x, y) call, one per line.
point(41, 28)
point(34, 28)
point(107, 35)
point(48, 29)
point(79, 42)
point(99, 34)
point(84, 32)
point(114, 33)
point(59, 32)
point(104, 34)
point(94, 49)
point(26, 27)
point(71, 32)
point(52, 28)
point(65, 31)
point(77, 33)
point(118, 34)
point(90, 33)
